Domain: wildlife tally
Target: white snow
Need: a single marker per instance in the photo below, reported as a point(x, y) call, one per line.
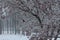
point(12, 37)
point(57, 39)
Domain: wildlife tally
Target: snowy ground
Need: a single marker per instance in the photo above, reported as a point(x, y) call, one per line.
point(13, 37)
point(57, 39)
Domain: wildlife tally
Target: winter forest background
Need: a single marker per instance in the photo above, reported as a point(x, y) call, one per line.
point(36, 19)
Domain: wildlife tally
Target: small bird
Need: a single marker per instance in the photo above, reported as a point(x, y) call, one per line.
point(23, 20)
